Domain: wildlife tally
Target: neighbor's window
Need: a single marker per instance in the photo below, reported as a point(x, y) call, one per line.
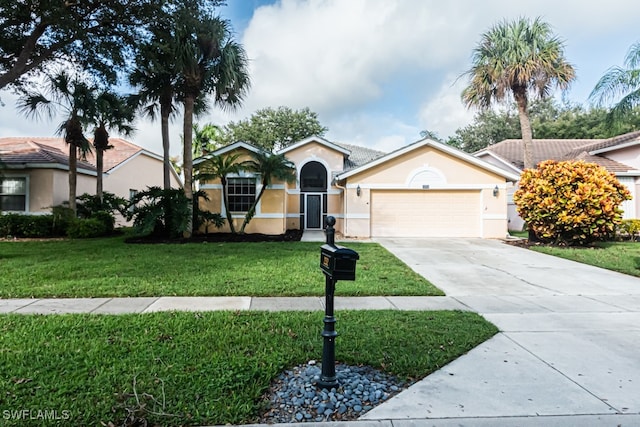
point(132, 193)
point(13, 194)
point(241, 192)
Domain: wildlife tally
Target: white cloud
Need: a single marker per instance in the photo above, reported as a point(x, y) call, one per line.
point(444, 112)
point(338, 54)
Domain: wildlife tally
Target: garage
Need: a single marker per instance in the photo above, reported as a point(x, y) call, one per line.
point(426, 213)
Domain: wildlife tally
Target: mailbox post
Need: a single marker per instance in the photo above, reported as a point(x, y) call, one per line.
point(337, 263)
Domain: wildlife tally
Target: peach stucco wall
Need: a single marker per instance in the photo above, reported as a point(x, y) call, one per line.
point(137, 173)
point(270, 217)
point(279, 209)
point(452, 173)
point(50, 187)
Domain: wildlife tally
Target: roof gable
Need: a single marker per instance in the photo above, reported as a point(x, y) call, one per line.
point(318, 140)
point(437, 146)
point(239, 145)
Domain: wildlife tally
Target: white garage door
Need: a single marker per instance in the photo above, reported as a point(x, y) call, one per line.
point(422, 213)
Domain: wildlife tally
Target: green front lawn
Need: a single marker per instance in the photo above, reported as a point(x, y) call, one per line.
point(623, 257)
point(111, 268)
point(201, 368)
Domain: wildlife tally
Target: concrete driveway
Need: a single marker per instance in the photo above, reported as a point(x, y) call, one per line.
point(569, 343)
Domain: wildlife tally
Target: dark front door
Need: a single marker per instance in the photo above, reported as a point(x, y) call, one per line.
point(314, 211)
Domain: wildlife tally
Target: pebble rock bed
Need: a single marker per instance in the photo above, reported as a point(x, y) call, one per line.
point(294, 396)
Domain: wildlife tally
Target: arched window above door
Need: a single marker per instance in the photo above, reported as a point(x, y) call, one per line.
point(313, 177)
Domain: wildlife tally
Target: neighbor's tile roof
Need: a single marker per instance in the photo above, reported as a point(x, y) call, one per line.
point(45, 146)
point(599, 144)
point(564, 149)
point(359, 155)
point(543, 149)
point(17, 151)
point(608, 164)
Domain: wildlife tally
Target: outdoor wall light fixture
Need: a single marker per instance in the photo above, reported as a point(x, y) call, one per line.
point(358, 191)
point(496, 191)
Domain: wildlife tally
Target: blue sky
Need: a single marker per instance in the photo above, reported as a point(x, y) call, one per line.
point(379, 71)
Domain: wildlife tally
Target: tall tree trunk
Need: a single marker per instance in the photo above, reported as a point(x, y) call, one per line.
point(187, 167)
point(165, 111)
point(100, 167)
point(252, 210)
point(73, 177)
point(525, 127)
point(225, 200)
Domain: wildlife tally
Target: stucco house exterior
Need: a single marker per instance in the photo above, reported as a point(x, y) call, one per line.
point(619, 155)
point(35, 171)
point(426, 189)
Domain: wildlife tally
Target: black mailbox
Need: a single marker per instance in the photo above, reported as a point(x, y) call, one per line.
point(338, 263)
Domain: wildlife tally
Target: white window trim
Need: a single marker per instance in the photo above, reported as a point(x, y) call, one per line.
point(27, 194)
point(241, 214)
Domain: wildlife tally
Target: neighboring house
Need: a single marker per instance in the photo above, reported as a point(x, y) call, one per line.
point(426, 189)
point(619, 155)
point(34, 172)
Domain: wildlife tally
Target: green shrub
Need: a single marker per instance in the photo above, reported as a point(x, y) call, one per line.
point(62, 217)
point(19, 225)
point(82, 228)
point(629, 228)
point(165, 213)
point(89, 204)
point(105, 218)
point(571, 202)
point(9, 224)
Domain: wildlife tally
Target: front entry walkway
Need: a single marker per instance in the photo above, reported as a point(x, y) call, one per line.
point(569, 344)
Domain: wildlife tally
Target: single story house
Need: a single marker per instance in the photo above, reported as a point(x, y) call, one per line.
point(34, 172)
point(619, 155)
point(426, 189)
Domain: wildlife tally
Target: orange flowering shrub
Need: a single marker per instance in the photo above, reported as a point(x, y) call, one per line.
point(571, 202)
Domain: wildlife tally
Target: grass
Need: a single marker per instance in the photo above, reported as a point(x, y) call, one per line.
point(111, 268)
point(623, 257)
point(521, 234)
point(202, 368)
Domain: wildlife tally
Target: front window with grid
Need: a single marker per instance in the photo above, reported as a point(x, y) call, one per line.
point(13, 194)
point(242, 193)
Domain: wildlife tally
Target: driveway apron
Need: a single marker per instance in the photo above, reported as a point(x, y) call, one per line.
point(569, 341)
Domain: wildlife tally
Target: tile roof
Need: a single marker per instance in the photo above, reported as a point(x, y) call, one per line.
point(564, 149)
point(20, 152)
point(54, 150)
point(599, 144)
point(359, 155)
point(543, 149)
point(608, 164)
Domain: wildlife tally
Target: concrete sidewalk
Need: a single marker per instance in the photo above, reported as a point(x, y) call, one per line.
point(154, 304)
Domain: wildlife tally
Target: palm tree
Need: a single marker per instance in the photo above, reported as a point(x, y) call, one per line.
point(270, 167)
point(110, 111)
point(517, 59)
point(206, 138)
point(209, 62)
point(218, 167)
point(155, 80)
point(618, 81)
point(74, 98)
